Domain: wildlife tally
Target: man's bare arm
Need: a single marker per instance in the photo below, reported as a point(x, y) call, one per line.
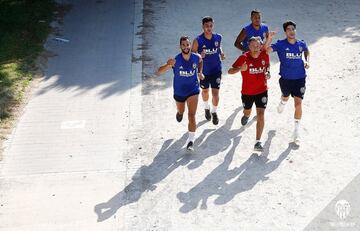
point(240, 38)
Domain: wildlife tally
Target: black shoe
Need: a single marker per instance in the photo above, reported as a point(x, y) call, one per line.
point(179, 117)
point(258, 147)
point(207, 114)
point(215, 118)
point(190, 146)
point(244, 120)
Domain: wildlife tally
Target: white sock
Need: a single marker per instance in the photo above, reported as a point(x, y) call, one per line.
point(206, 105)
point(213, 109)
point(191, 136)
point(297, 124)
point(283, 102)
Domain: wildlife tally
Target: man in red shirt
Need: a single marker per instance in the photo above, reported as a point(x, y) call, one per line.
point(254, 66)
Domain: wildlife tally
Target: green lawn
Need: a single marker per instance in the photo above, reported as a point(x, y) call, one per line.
point(24, 27)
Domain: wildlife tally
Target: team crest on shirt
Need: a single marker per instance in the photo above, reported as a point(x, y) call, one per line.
point(216, 43)
point(194, 65)
point(263, 62)
point(264, 35)
point(300, 49)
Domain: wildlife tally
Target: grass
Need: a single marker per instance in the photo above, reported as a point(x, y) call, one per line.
point(24, 27)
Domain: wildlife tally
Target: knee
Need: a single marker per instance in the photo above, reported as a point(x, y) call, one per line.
point(215, 94)
point(260, 115)
point(205, 91)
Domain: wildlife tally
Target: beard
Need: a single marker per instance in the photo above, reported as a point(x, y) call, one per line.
point(185, 51)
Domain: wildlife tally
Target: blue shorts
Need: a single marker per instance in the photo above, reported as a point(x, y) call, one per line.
point(211, 80)
point(182, 99)
point(293, 87)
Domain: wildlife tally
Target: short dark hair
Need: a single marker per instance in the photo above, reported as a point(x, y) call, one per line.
point(255, 11)
point(183, 38)
point(255, 38)
point(207, 19)
point(288, 23)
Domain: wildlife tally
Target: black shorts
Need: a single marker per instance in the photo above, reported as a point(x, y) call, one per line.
point(182, 99)
point(211, 80)
point(259, 99)
point(293, 87)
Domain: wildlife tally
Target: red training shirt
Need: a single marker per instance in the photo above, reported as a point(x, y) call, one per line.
point(254, 80)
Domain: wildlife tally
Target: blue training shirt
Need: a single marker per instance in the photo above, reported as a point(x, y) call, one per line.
point(252, 32)
point(212, 61)
point(185, 75)
point(290, 56)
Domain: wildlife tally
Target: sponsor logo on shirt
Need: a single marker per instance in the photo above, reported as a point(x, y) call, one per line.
point(293, 55)
point(187, 73)
point(210, 51)
point(256, 70)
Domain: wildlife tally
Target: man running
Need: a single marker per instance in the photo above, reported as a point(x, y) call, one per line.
point(292, 70)
point(208, 44)
point(255, 28)
point(187, 67)
point(254, 66)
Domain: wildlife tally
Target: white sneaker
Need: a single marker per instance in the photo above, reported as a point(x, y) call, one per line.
point(280, 107)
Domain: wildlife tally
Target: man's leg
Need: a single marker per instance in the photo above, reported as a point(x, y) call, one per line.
point(297, 118)
point(192, 102)
point(298, 92)
point(215, 103)
point(298, 108)
point(247, 102)
point(180, 106)
point(285, 87)
point(260, 121)
point(205, 98)
point(261, 101)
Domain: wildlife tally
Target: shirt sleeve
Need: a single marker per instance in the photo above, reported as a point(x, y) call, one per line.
point(266, 28)
point(239, 62)
point(275, 46)
point(305, 48)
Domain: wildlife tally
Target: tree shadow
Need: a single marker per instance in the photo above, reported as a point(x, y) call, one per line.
point(248, 174)
point(99, 52)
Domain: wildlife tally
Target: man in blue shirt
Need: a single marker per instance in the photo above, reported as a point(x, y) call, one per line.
point(187, 68)
point(208, 44)
point(254, 29)
point(292, 70)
